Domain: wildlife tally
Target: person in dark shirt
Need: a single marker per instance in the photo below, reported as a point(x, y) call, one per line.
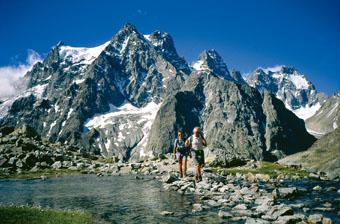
point(181, 152)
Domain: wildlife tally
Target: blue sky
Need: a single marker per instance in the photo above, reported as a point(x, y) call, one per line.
point(304, 34)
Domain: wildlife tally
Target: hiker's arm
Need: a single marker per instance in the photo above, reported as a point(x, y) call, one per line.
point(175, 149)
point(187, 143)
point(204, 142)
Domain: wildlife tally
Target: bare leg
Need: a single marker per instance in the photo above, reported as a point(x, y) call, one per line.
point(199, 172)
point(180, 167)
point(196, 173)
point(185, 167)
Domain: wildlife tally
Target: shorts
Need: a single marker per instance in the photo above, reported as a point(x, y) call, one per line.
point(198, 157)
point(181, 156)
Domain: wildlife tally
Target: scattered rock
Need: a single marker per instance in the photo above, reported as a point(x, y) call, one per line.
point(166, 213)
point(314, 176)
point(197, 207)
point(326, 220)
point(240, 207)
point(286, 192)
point(317, 188)
point(56, 165)
point(169, 178)
point(278, 210)
point(315, 218)
point(287, 219)
point(256, 221)
point(213, 203)
point(262, 177)
point(250, 177)
point(224, 214)
point(19, 164)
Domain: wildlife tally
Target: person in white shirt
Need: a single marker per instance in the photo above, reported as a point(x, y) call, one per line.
point(196, 142)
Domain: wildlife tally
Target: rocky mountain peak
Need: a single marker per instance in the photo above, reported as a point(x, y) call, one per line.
point(128, 28)
point(289, 85)
point(286, 74)
point(164, 44)
point(236, 75)
point(211, 61)
point(60, 43)
point(162, 40)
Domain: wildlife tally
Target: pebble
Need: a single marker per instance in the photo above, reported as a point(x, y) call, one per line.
point(317, 188)
point(166, 213)
point(224, 214)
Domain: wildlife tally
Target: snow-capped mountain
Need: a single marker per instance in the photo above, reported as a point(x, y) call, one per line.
point(289, 85)
point(87, 96)
point(128, 96)
point(211, 61)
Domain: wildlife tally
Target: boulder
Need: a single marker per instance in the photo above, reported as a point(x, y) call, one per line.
point(12, 160)
point(262, 177)
point(6, 130)
point(197, 207)
point(19, 164)
point(250, 177)
point(169, 178)
point(315, 218)
point(317, 188)
point(3, 162)
point(29, 160)
point(286, 192)
point(56, 165)
point(136, 166)
point(256, 221)
point(287, 219)
point(240, 207)
point(166, 213)
point(278, 210)
point(29, 131)
point(224, 214)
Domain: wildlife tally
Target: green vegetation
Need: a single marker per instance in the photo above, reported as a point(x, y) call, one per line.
point(105, 159)
point(323, 155)
point(32, 215)
point(272, 169)
point(34, 175)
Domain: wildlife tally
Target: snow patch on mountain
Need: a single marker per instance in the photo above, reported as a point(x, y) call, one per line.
point(147, 112)
point(37, 91)
point(199, 65)
point(299, 81)
point(333, 109)
point(276, 68)
point(125, 120)
point(81, 55)
point(306, 111)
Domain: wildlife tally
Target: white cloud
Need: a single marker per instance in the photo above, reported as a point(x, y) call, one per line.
point(11, 77)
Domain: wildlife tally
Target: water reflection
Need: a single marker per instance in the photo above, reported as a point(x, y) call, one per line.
point(117, 199)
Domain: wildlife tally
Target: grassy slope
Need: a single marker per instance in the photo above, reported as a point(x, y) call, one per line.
point(323, 155)
point(272, 169)
point(30, 215)
point(45, 172)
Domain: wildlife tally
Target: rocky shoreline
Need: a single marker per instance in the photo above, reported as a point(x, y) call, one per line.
point(243, 194)
point(252, 198)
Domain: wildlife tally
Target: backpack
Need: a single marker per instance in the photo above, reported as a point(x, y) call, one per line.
point(179, 149)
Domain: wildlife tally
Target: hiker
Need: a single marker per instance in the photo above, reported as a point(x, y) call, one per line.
point(182, 153)
point(195, 143)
